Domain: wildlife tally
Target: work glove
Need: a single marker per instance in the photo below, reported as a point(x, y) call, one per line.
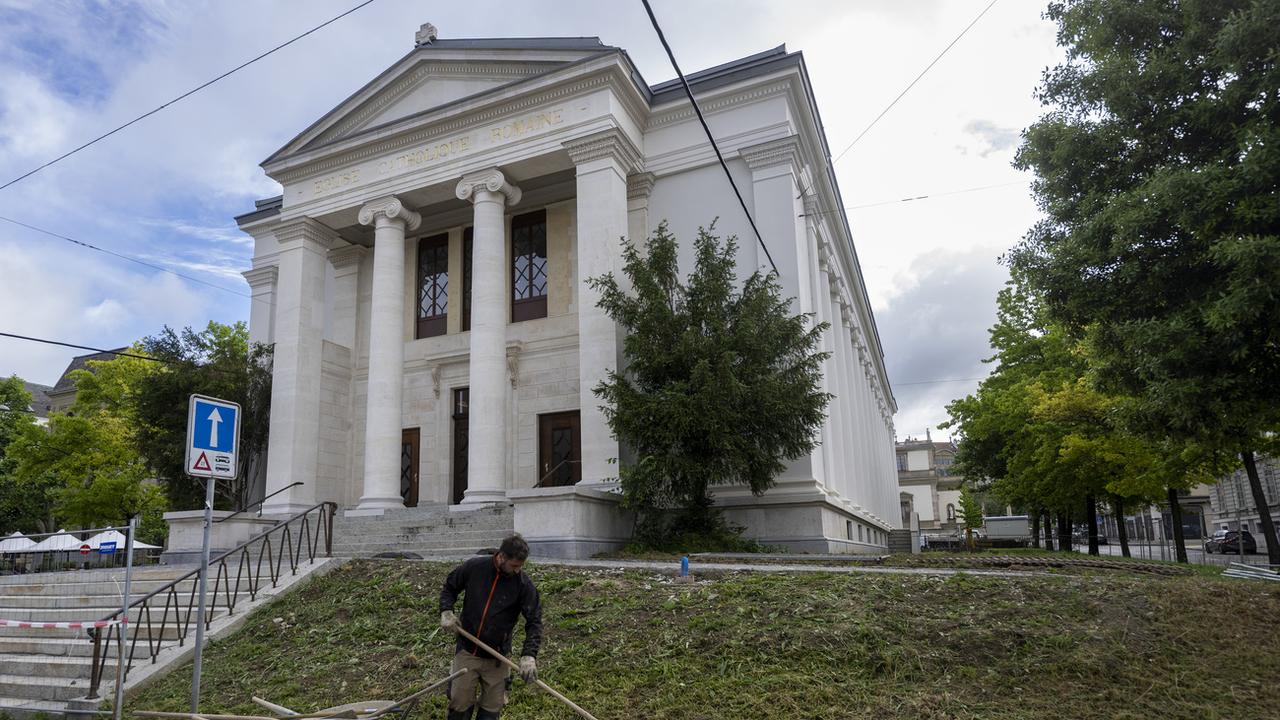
point(448, 621)
point(528, 669)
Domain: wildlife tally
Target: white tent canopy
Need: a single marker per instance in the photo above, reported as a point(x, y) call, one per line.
point(55, 543)
point(16, 542)
point(118, 538)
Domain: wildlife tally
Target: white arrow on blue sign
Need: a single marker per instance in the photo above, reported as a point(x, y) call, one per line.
point(213, 437)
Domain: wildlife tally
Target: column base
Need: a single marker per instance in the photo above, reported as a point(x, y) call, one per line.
point(475, 496)
point(380, 503)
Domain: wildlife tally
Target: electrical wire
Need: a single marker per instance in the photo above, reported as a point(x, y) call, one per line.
point(707, 129)
point(183, 96)
point(122, 256)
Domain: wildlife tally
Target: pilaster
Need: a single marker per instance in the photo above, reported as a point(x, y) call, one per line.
point(295, 388)
point(604, 161)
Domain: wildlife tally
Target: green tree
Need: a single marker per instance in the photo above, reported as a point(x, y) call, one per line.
point(24, 507)
point(218, 361)
point(722, 384)
point(84, 468)
point(1156, 171)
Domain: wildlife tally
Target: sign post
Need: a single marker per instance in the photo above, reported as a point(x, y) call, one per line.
point(117, 708)
point(213, 439)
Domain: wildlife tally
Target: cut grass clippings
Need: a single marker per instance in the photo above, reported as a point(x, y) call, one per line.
point(633, 644)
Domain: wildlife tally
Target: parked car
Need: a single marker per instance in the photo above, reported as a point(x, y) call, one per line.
point(1228, 542)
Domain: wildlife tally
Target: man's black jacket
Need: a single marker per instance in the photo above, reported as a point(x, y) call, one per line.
point(492, 603)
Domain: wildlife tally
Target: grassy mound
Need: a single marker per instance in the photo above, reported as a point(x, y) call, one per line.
point(631, 644)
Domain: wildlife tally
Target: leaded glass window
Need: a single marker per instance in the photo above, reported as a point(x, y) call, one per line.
point(529, 266)
point(433, 286)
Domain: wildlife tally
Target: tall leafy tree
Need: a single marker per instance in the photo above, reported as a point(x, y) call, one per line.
point(1157, 172)
point(218, 361)
point(722, 384)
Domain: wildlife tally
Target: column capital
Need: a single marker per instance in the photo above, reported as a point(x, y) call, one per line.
point(346, 258)
point(783, 151)
point(304, 230)
point(611, 144)
point(491, 180)
point(261, 277)
point(640, 185)
point(391, 208)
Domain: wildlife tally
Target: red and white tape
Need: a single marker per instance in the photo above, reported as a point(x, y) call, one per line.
point(61, 625)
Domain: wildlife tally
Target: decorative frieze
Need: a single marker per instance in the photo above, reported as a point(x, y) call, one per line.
point(346, 259)
point(305, 230)
point(261, 279)
point(640, 185)
point(783, 151)
point(611, 144)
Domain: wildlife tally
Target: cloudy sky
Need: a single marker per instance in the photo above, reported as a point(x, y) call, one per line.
point(165, 189)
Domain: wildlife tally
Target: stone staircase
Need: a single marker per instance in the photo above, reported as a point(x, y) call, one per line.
point(42, 668)
point(427, 530)
point(47, 670)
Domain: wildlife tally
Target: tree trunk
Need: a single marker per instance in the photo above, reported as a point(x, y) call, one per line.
point(1264, 510)
point(1064, 530)
point(1091, 517)
point(1035, 530)
point(1122, 532)
point(1175, 518)
point(1048, 531)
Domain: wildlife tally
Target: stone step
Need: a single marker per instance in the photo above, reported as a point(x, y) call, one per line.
point(28, 708)
point(49, 647)
point(151, 572)
point(38, 688)
point(44, 666)
point(402, 536)
point(137, 588)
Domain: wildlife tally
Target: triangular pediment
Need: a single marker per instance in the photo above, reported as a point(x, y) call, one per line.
point(425, 80)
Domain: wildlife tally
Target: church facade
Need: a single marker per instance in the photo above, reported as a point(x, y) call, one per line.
point(423, 281)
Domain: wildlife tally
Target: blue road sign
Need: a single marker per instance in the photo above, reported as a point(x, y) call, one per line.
point(213, 426)
point(107, 548)
point(213, 435)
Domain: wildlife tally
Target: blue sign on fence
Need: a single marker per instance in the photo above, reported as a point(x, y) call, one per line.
point(107, 548)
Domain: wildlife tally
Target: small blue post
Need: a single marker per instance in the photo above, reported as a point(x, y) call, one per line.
point(684, 566)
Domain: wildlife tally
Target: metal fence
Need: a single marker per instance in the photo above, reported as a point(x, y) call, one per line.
point(166, 616)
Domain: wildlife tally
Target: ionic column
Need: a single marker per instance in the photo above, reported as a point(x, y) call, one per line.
point(390, 219)
point(490, 193)
point(603, 160)
point(293, 452)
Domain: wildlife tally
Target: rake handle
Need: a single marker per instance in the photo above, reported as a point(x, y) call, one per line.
point(506, 660)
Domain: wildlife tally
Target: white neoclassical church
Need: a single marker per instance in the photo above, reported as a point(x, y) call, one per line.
point(423, 280)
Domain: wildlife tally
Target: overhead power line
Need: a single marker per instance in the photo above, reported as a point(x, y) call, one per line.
point(935, 382)
point(907, 89)
point(183, 96)
point(120, 353)
point(913, 82)
point(707, 129)
point(122, 256)
point(930, 196)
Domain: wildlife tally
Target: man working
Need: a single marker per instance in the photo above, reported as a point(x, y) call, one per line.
point(496, 591)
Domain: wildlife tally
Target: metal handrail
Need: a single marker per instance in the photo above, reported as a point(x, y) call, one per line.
point(247, 572)
point(552, 470)
point(264, 499)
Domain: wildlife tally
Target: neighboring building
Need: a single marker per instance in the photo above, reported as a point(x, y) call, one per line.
point(40, 403)
point(63, 394)
point(423, 278)
point(927, 485)
point(1231, 500)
